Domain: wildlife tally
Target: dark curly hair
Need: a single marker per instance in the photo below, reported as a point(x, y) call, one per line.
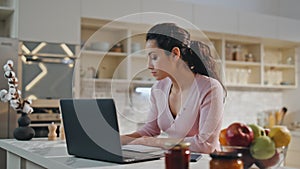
point(196, 54)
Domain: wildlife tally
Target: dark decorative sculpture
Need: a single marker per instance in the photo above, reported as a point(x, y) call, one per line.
point(24, 132)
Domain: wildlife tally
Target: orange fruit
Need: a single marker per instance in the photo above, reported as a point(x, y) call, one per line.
point(222, 137)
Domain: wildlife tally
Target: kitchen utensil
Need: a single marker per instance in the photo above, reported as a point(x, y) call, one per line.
point(283, 111)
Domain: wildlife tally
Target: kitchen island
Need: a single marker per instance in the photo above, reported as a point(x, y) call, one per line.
point(41, 153)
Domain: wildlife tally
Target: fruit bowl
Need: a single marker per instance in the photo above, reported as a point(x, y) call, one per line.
point(273, 162)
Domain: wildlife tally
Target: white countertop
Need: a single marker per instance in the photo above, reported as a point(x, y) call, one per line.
point(53, 154)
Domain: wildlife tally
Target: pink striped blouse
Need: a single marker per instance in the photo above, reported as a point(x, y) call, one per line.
point(199, 120)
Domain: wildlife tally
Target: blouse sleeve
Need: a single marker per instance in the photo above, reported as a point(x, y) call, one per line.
point(151, 127)
point(210, 122)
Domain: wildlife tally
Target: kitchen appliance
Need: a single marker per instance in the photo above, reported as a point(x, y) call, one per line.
point(8, 116)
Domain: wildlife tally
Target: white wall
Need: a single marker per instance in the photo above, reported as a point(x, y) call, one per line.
point(244, 105)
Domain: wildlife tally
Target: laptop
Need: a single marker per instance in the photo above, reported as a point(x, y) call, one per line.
point(91, 129)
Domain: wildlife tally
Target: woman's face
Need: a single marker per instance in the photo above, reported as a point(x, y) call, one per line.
point(158, 62)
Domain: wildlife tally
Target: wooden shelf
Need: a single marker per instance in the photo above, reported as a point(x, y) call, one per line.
point(242, 63)
point(117, 81)
point(94, 52)
point(281, 66)
point(261, 86)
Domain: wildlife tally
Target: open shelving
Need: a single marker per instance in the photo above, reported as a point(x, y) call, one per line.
point(246, 61)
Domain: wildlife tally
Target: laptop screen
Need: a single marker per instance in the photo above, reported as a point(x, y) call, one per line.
point(91, 128)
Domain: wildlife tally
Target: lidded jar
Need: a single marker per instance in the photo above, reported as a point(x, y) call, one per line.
point(177, 156)
point(226, 160)
point(236, 53)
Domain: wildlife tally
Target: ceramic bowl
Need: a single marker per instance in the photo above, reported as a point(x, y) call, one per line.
point(135, 47)
point(100, 46)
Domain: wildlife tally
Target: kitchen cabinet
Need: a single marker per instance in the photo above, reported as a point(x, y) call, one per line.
point(279, 67)
point(253, 24)
point(103, 9)
point(122, 60)
point(8, 116)
point(259, 62)
point(216, 19)
point(8, 18)
point(166, 11)
point(51, 21)
point(240, 70)
point(250, 62)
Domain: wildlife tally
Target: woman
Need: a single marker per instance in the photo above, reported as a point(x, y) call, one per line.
point(187, 100)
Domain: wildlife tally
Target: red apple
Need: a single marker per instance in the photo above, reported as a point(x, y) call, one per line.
point(268, 162)
point(239, 134)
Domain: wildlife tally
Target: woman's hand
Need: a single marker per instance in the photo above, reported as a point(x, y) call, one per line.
point(147, 141)
point(126, 139)
point(154, 141)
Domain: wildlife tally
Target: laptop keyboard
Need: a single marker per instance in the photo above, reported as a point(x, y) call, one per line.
point(138, 155)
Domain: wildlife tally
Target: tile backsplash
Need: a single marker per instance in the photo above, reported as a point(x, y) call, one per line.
point(241, 105)
point(244, 105)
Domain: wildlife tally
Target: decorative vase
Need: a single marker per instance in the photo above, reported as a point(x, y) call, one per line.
point(24, 132)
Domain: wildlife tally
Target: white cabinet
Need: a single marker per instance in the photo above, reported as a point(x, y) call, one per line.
point(111, 9)
point(179, 12)
point(52, 21)
point(260, 25)
point(216, 19)
point(8, 18)
point(279, 66)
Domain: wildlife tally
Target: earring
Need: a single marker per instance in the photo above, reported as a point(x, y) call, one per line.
point(192, 67)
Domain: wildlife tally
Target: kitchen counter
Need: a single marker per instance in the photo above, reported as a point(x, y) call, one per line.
point(293, 152)
point(41, 153)
point(295, 132)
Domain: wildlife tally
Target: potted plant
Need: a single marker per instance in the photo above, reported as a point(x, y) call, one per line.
point(13, 96)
